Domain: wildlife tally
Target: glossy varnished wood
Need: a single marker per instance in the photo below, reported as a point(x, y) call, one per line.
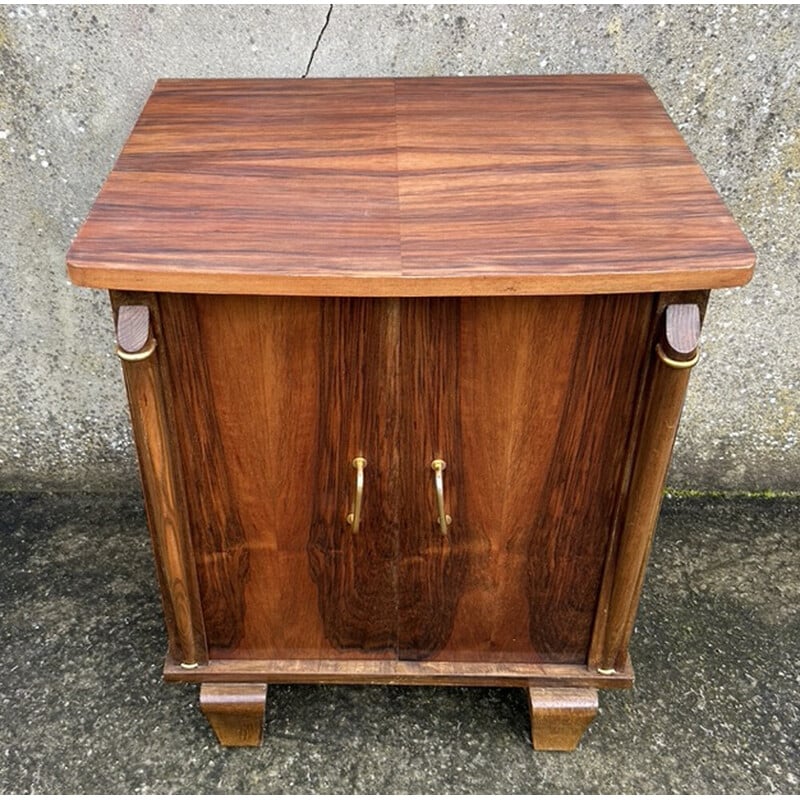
point(560, 716)
point(522, 483)
point(235, 712)
point(394, 671)
point(356, 573)
point(507, 274)
point(148, 385)
point(576, 516)
point(431, 564)
point(220, 550)
point(263, 358)
point(531, 400)
point(661, 414)
point(450, 186)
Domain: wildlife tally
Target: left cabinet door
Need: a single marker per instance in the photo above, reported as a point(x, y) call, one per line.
point(274, 398)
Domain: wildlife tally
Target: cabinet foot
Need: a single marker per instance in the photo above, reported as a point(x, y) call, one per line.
point(235, 711)
point(559, 717)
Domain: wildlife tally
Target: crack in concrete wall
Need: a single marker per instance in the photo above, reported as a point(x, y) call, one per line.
point(319, 39)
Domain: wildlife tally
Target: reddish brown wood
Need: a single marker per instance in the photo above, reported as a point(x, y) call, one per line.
point(380, 201)
point(263, 358)
point(493, 588)
point(560, 716)
point(133, 327)
point(235, 712)
point(220, 549)
point(512, 380)
point(393, 671)
point(431, 566)
point(662, 303)
point(356, 573)
point(408, 187)
point(575, 519)
point(162, 483)
point(666, 392)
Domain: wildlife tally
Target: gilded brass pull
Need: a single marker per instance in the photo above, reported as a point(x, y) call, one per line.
point(354, 517)
point(443, 520)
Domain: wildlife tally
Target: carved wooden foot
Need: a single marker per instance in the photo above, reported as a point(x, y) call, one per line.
point(560, 716)
point(235, 711)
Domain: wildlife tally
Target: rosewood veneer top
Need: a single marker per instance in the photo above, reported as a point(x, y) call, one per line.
point(379, 187)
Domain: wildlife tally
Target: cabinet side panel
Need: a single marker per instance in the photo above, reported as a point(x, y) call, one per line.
point(148, 383)
point(585, 475)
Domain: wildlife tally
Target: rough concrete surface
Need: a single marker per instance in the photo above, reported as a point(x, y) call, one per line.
point(715, 708)
point(73, 78)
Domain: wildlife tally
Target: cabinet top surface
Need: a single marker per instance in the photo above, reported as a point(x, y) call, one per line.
point(436, 186)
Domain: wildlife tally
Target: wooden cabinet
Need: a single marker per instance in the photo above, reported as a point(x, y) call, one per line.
point(405, 361)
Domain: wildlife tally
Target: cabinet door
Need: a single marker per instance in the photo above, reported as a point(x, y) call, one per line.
point(274, 398)
point(530, 402)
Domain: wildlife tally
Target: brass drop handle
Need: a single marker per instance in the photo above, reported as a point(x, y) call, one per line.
point(443, 520)
point(354, 517)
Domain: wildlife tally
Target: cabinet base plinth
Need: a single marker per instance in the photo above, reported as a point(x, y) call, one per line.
point(559, 717)
point(235, 712)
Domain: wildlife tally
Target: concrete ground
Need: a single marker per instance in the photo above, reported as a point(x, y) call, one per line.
point(83, 708)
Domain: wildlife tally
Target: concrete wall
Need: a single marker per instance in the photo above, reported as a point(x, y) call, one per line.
point(73, 79)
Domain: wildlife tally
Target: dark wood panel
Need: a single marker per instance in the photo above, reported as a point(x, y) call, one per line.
point(514, 357)
point(432, 564)
point(408, 187)
point(148, 384)
point(585, 474)
point(220, 549)
point(262, 357)
point(536, 397)
point(378, 671)
point(298, 388)
point(667, 381)
point(356, 572)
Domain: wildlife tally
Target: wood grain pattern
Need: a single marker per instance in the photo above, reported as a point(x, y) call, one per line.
point(235, 712)
point(162, 483)
point(584, 477)
point(394, 671)
point(356, 573)
point(681, 330)
point(665, 393)
point(432, 566)
point(559, 717)
point(533, 454)
point(133, 327)
point(220, 549)
point(513, 357)
point(408, 187)
point(263, 358)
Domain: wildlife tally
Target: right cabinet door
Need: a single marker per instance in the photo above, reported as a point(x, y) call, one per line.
point(531, 404)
